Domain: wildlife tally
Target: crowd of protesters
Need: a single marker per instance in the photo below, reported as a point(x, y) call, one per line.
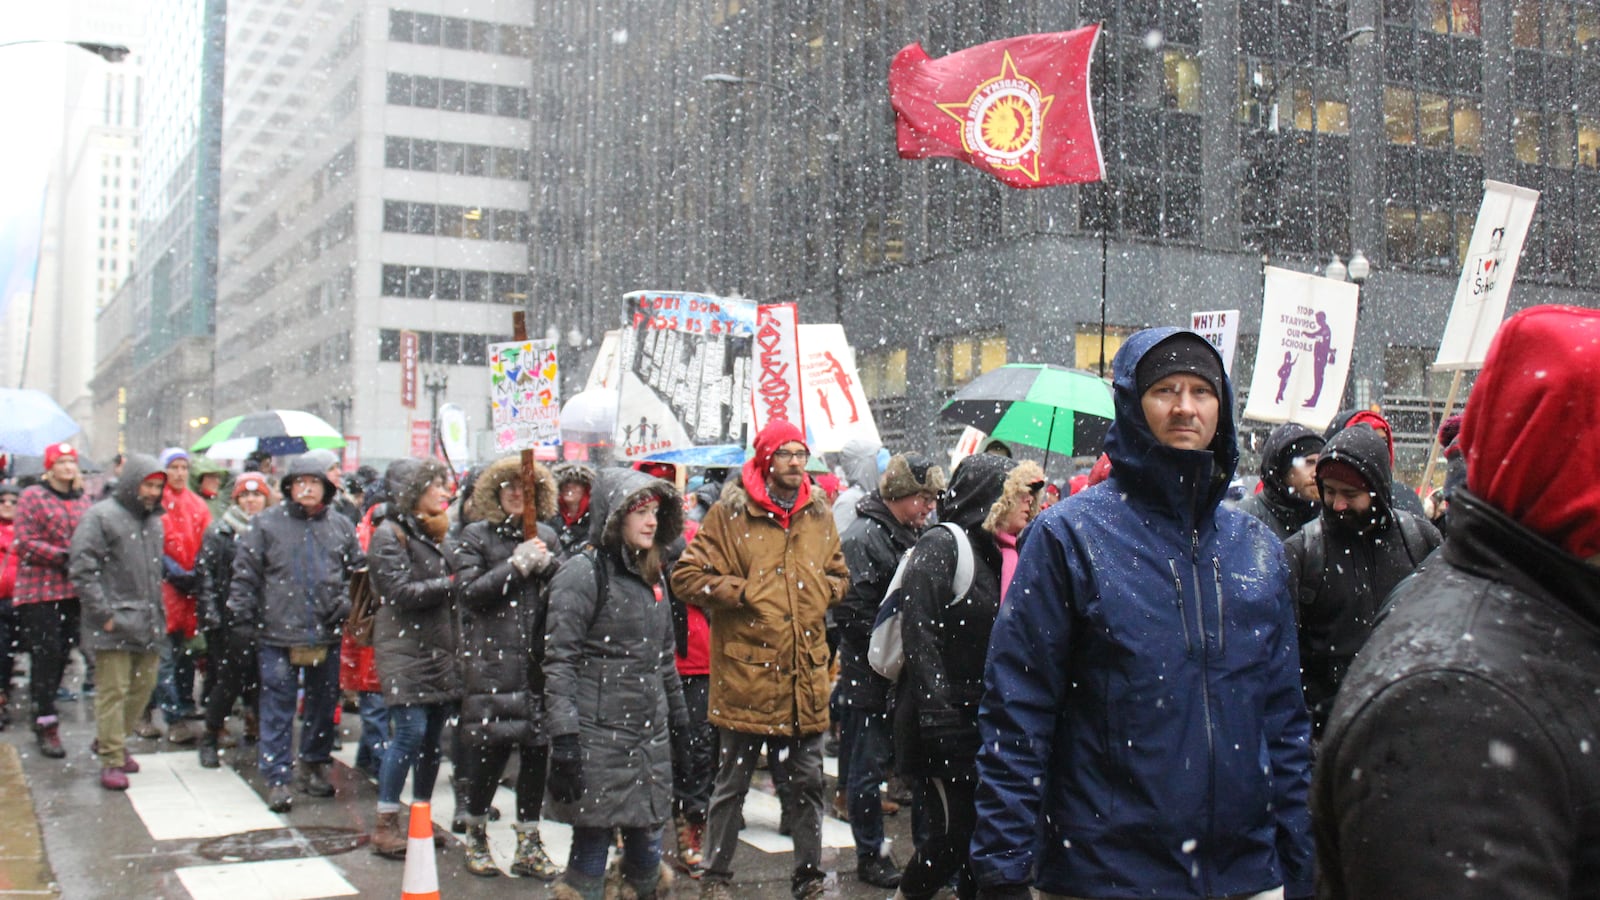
point(1141, 689)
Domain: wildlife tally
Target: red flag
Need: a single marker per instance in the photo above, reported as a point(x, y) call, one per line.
point(1018, 109)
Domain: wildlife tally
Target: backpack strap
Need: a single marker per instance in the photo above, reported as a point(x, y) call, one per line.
point(964, 565)
point(1411, 537)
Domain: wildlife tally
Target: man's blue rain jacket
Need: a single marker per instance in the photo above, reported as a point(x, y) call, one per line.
point(1144, 733)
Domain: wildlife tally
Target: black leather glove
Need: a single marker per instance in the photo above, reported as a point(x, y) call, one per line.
point(566, 768)
point(1005, 892)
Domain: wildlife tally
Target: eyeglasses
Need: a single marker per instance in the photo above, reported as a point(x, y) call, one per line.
point(787, 455)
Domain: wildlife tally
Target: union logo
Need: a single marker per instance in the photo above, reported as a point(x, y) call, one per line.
point(1002, 120)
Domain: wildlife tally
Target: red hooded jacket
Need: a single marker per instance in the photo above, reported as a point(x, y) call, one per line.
point(8, 559)
point(183, 528)
point(1524, 428)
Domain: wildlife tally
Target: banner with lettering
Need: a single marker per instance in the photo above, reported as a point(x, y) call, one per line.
point(1221, 328)
point(1486, 275)
point(835, 405)
point(775, 388)
point(524, 395)
point(1308, 325)
point(684, 391)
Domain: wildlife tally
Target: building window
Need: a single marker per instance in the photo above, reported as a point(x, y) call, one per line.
point(394, 281)
point(1525, 136)
point(883, 373)
point(1525, 24)
point(964, 357)
point(1589, 142)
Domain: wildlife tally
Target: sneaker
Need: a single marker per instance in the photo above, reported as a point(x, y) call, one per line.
point(280, 799)
point(878, 871)
point(113, 778)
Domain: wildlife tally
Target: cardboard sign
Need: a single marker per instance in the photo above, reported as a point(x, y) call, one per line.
point(776, 388)
point(835, 405)
point(1308, 325)
point(684, 375)
point(524, 395)
point(1221, 328)
point(1486, 275)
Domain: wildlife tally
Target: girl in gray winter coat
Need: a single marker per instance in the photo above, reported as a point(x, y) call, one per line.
point(413, 640)
point(612, 696)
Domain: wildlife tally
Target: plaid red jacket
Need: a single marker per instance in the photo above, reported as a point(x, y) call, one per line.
point(45, 522)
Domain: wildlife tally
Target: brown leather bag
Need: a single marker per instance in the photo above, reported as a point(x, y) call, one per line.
point(364, 601)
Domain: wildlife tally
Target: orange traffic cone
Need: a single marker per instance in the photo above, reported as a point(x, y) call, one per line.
point(421, 878)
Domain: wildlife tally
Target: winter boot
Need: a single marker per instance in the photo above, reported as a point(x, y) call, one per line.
point(657, 883)
point(479, 861)
point(48, 733)
point(689, 857)
point(313, 780)
point(577, 886)
point(182, 731)
point(208, 751)
point(531, 861)
point(252, 727)
point(280, 799)
point(458, 824)
point(147, 727)
point(389, 836)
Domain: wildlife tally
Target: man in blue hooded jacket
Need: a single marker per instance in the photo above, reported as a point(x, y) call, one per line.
point(1144, 733)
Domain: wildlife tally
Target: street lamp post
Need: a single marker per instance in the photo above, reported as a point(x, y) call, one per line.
point(835, 198)
point(111, 53)
point(1357, 271)
point(434, 382)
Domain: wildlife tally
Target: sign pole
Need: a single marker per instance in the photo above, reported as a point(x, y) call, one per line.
point(530, 480)
point(1433, 445)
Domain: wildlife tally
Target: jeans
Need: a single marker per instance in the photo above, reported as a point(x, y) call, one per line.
point(374, 732)
point(50, 629)
point(126, 681)
point(641, 851)
point(692, 777)
point(413, 743)
point(175, 690)
point(735, 765)
point(864, 737)
point(279, 685)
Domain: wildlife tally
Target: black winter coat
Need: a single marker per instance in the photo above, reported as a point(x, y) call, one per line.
point(502, 634)
point(414, 632)
point(1340, 578)
point(214, 566)
point(569, 538)
point(936, 699)
point(873, 545)
point(1461, 759)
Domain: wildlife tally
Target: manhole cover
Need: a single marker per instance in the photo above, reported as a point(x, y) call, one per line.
point(282, 843)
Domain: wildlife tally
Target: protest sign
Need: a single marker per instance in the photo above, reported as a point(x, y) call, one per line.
point(835, 405)
point(1486, 275)
point(776, 388)
point(684, 388)
point(524, 395)
point(453, 435)
point(1308, 325)
point(1221, 328)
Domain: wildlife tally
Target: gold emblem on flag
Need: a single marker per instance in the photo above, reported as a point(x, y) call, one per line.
point(1002, 120)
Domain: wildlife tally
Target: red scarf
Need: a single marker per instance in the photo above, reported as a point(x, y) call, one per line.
point(582, 510)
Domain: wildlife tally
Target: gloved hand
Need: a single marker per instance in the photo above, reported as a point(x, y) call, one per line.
point(530, 556)
point(196, 646)
point(183, 579)
point(1005, 892)
point(566, 768)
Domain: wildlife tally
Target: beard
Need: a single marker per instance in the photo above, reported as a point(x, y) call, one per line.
point(1352, 522)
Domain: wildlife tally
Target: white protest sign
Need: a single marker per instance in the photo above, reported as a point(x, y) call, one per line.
point(453, 435)
point(524, 395)
point(1221, 328)
point(775, 388)
point(684, 388)
point(835, 405)
point(604, 372)
point(1486, 275)
point(1308, 325)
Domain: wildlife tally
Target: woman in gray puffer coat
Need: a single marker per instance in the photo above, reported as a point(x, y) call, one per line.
point(413, 639)
point(502, 594)
point(612, 694)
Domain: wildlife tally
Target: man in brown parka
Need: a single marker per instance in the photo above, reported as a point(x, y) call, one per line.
point(765, 566)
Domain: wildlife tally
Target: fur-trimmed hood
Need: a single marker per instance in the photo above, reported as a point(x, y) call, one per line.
point(564, 472)
point(617, 489)
point(486, 490)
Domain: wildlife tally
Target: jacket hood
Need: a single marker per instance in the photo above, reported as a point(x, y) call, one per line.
point(416, 480)
point(200, 466)
point(1277, 457)
point(1364, 450)
point(977, 483)
point(756, 468)
point(1166, 476)
point(486, 490)
point(859, 461)
point(617, 489)
point(1521, 434)
point(135, 470)
point(307, 464)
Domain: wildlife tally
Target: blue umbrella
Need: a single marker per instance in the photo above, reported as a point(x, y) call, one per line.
point(30, 421)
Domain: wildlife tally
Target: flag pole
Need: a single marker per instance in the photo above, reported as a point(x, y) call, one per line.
point(1433, 445)
point(1105, 218)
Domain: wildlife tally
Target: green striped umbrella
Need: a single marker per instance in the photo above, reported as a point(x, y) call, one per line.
point(281, 432)
point(1060, 410)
